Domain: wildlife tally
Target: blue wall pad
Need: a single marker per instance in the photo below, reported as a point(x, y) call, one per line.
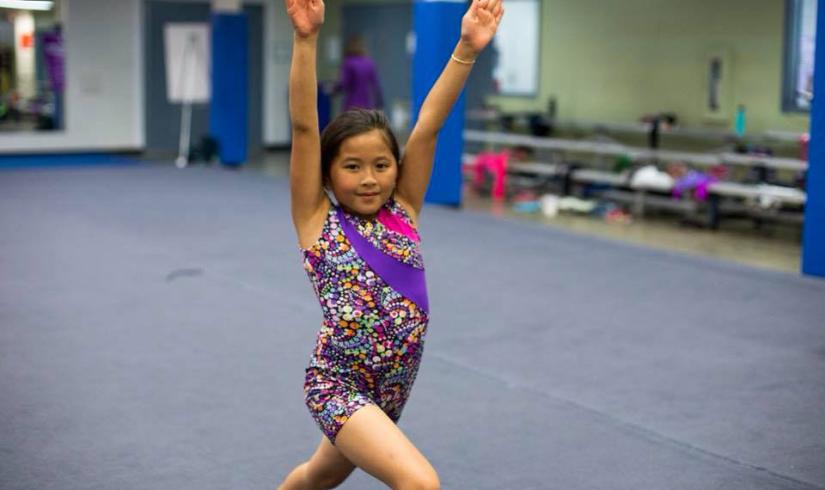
point(437, 29)
point(64, 160)
point(813, 243)
point(324, 108)
point(228, 109)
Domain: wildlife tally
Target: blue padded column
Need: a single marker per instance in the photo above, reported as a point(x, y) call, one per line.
point(437, 26)
point(813, 244)
point(228, 109)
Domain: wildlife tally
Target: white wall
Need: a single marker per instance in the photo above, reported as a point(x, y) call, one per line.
point(226, 5)
point(105, 86)
point(277, 57)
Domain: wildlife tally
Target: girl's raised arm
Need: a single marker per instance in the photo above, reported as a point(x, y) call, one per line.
point(306, 186)
point(477, 30)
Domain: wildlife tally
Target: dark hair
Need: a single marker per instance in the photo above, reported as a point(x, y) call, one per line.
point(355, 46)
point(352, 123)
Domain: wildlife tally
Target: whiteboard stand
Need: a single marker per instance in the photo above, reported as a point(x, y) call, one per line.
point(188, 62)
point(190, 52)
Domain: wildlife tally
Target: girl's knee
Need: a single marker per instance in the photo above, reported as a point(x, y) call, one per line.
point(330, 481)
point(425, 479)
point(326, 478)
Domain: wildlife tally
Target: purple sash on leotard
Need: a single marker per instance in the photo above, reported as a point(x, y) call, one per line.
point(407, 280)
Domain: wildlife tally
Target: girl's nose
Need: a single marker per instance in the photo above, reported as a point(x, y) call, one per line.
point(369, 179)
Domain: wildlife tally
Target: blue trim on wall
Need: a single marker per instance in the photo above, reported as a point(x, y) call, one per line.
point(64, 160)
point(437, 28)
point(813, 243)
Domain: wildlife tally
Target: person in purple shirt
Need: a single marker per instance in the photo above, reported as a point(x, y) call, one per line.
point(358, 79)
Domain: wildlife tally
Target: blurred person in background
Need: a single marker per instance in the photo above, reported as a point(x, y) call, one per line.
point(358, 79)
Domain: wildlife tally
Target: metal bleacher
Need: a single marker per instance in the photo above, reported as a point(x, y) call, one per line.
point(725, 197)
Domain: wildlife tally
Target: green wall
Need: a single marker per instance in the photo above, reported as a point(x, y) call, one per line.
point(613, 60)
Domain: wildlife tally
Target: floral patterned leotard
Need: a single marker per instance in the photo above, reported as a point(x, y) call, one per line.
point(370, 342)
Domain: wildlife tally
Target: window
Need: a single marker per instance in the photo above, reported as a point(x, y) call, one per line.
point(800, 40)
point(516, 69)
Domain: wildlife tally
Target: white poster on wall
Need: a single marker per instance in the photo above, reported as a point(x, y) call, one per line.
point(188, 61)
point(517, 45)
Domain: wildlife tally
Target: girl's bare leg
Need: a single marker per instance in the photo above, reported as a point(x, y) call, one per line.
point(371, 441)
point(327, 468)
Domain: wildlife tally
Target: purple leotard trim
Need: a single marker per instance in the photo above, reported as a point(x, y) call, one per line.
point(404, 278)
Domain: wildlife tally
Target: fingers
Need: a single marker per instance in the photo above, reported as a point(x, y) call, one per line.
point(489, 9)
point(480, 9)
point(473, 10)
point(486, 11)
point(293, 6)
point(495, 7)
point(303, 4)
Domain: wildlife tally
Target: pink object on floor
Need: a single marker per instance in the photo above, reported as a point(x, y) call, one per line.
point(804, 142)
point(495, 164)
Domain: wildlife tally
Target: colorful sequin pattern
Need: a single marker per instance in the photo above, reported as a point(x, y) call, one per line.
point(371, 339)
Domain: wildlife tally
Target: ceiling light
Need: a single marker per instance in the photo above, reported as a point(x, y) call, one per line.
point(27, 4)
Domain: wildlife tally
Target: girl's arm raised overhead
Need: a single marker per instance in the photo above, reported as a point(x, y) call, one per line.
point(306, 186)
point(477, 30)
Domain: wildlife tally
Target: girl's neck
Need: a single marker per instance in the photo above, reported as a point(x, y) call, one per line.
point(352, 212)
point(368, 217)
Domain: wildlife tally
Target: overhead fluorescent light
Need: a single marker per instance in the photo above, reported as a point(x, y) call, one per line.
point(27, 4)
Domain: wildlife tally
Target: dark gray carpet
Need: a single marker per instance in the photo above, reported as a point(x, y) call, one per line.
point(155, 324)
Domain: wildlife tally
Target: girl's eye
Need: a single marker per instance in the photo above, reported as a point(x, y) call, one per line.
point(350, 166)
point(383, 164)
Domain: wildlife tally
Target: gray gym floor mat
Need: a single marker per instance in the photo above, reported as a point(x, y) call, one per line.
point(155, 324)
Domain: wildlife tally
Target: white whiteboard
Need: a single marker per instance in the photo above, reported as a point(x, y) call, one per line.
point(516, 71)
point(188, 61)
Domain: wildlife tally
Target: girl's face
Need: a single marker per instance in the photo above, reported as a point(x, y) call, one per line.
point(363, 174)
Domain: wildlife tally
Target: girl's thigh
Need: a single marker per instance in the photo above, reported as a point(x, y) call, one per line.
point(373, 442)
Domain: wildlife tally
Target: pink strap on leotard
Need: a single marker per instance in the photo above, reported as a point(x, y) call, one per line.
point(396, 224)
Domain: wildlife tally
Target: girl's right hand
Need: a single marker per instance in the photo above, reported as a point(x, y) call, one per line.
point(479, 24)
point(306, 16)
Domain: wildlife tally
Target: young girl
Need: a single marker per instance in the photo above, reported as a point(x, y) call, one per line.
point(363, 259)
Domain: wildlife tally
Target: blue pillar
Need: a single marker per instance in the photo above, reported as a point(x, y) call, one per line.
point(228, 109)
point(813, 244)
point(437, 26)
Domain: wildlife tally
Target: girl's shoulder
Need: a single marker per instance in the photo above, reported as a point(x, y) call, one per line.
point(311, 232)
point(399, 207)
point(397, 217)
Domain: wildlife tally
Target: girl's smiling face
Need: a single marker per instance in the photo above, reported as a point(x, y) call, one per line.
point(362, 176)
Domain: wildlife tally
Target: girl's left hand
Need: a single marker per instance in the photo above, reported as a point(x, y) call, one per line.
point(480, 23)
